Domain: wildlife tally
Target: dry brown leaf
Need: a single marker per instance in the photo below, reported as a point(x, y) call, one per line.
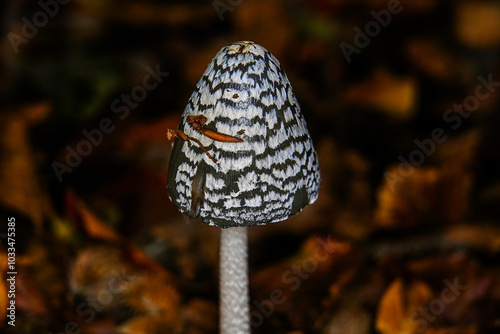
point(400, 302)
point(349, 319)
point(411, 195)
point(148, 325)
point(391, 311)
point(142, 325)
point(431, 58)
point(201, 317)
point(88, 221)
point(95, 267)
point(478, 23)
point(403, 202)
point(153, 296)
point(21, 188)
point(95, 228)
point(296, 287)
point(387, 93)
point(105, 273)
point(478, 235)
point(425, 195)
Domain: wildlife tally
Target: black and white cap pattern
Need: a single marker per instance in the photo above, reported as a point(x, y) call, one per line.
point(269, 176)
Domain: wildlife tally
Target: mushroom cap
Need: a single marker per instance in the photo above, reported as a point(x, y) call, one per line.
point(271, 175)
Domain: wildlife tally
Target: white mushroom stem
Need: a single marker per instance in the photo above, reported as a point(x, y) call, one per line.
point(233, 271)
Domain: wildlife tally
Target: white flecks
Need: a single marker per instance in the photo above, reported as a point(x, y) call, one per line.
point(187, 168)
point(267, 100)
point(279, 174)
point(209, 98)
point(259, 147)
point(181, 188)
point(222, 109)
point(235, 164)
point(311, 163)
point(299, 147)
point(270, 180)
point(288, 115)
point(272, 119)
point(272, 74)
point(292, 170)
point(281, 157)
point(273, 196)
point(253, 202)
point(257, 68)
point(290, 187)
point(308, 145)
point(225, 76)
point(211, 73)
point(265, 162)
point(278, 138)
point(232, 203)
point(238, 149)
point(214, 184)
point(182, 177)
point(248, 182)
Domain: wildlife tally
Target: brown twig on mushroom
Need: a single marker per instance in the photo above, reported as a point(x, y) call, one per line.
point(174, 133)
point(198, 123)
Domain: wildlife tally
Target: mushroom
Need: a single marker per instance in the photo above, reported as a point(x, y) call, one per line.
point(243, 156)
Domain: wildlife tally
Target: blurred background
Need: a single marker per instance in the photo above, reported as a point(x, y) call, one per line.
point(401, 100)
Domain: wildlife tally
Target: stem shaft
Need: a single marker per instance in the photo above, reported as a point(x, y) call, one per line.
point(233, 271)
